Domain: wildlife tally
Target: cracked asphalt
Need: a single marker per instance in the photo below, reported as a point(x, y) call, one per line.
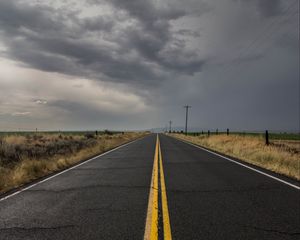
point(107, 198)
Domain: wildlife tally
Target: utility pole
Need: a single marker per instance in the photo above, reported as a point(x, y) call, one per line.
point(186, 117)
point(170, 126)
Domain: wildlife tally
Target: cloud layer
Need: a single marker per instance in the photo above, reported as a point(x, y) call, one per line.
point(127, 41)
point(102, 63)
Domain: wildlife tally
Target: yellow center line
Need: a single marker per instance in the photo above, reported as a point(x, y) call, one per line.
point(165, 210)
point(151, 228)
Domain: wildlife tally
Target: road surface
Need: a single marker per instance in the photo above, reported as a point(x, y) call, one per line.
point(154, 188)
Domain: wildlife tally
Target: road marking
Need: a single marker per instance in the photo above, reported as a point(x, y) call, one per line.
point(241, 164)
point(66, 170)
point(166, 219)
point(151, 228)
point(152, 220)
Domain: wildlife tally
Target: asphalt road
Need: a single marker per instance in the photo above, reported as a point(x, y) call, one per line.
point(208, 197)
point(212, 198)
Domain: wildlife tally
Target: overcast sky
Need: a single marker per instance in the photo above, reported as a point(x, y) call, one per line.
point(134, 64)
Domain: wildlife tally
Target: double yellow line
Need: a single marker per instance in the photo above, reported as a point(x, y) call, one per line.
point(152, 221)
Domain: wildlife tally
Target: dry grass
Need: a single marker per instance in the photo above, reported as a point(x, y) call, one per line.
point(280, 156)
point(23, 159)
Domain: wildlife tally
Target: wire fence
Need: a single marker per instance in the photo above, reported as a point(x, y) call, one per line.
point(267, 135)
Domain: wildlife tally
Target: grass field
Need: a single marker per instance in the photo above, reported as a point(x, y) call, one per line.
point(272, 136)
point(281, 156)
point(27, 156)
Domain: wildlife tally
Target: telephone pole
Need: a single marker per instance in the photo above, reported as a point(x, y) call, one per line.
point(170, 126)
point(186, 116)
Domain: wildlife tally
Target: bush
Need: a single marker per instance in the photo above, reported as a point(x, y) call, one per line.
point(108, 132)
point(36, 147)
point(89, 135)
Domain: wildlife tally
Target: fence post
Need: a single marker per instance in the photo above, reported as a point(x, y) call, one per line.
point(202, 132)
point(208, 133)
point(227, 131)
point(267, 137)
point(217, 131)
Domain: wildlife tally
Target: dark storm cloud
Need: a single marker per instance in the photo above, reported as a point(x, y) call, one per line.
point(36, 39)
point(188, 32)
point(98, 23)
point(248, 58)
point(77, 58)
point(269, 8)
point(57, 40)
point(146, 11)
point(15, 15)
point(154, 35)
point(235, 61)
point(266, 8)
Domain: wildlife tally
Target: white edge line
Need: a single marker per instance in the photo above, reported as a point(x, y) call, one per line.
point(66, 170)
point(241, 164)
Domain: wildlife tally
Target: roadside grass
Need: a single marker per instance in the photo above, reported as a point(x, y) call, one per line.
point(281, 156)
point(24, 158)
point(272, 135)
